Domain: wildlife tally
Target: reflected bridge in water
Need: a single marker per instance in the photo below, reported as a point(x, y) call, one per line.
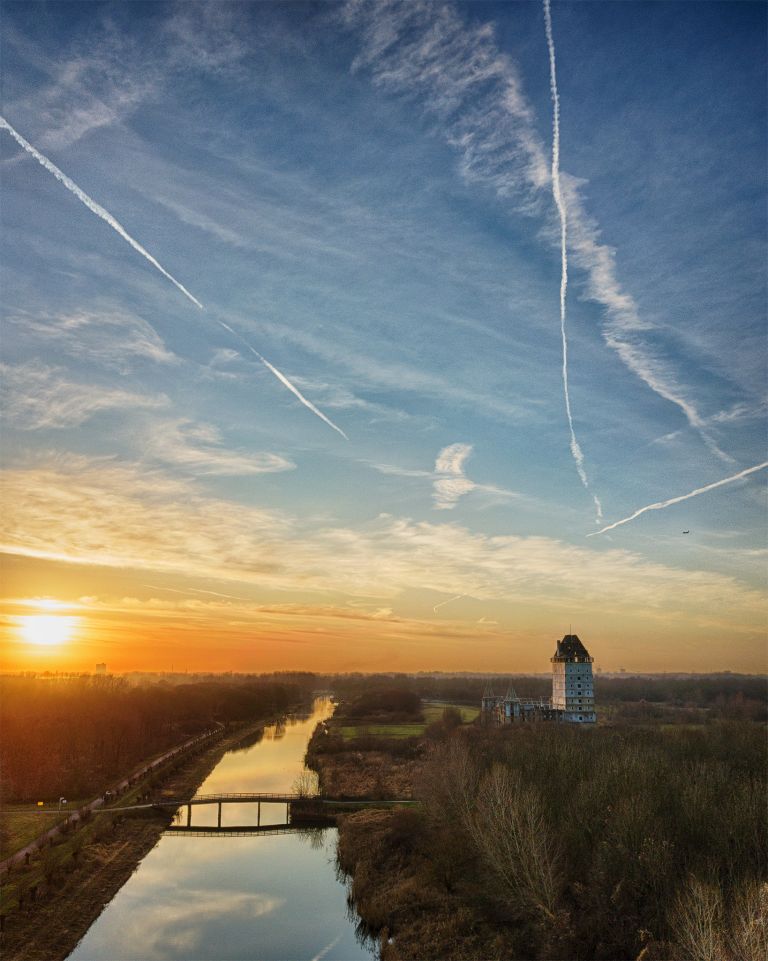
point(243, 831)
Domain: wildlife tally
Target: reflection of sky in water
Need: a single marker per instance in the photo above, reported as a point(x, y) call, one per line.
point(234, 898)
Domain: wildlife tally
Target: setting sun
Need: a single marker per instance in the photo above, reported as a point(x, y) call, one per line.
point(47, 630)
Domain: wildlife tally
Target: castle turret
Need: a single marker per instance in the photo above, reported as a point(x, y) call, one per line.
point(511, 705)
point(488, 702)
point(572, 687)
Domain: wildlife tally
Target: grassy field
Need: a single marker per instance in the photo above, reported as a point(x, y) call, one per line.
point(382, 730)
point(432, 712)
point(22, 823)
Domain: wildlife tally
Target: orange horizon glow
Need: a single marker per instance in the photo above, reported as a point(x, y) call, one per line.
point(155, 636)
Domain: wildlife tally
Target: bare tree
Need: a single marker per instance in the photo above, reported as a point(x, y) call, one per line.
point(448, 782)
point(306, 784)
point(510, 830)
point(748, 935)
point(697, 922)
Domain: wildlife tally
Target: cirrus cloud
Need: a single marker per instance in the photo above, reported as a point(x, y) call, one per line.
point(102, 512)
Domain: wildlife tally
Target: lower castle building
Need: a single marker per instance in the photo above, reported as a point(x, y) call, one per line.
point(573, 696)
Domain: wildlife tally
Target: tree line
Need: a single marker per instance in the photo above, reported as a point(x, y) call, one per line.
point(716, 696)
point(70, 736)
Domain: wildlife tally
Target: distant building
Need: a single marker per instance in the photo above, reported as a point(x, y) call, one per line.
point(573, 696)
point(572, 688)
point(101, 668)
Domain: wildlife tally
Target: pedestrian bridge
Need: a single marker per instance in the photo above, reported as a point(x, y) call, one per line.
point(299, 808)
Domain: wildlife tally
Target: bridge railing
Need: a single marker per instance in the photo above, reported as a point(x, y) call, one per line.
point(256, 795)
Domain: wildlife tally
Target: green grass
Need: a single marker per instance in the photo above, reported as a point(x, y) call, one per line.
point(431, 712)
point(23, 877)
point(434, 712)
point(22, 823)
point(382, 730)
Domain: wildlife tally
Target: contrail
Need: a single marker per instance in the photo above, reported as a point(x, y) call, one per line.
point(576, 451)
point(450, 600)
point(93, 206)
point(684, 497)
point(116, 225)
point(193, 590)
point(329, 947)
point(284, 380)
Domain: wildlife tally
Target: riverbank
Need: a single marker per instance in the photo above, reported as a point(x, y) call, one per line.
point(406, 896)
point(90, 867)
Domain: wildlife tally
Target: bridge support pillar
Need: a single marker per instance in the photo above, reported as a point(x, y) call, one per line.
point(218, 823)
point(258, 814)
point(189, 815)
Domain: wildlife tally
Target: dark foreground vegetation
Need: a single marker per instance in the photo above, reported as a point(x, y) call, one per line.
point(71, 736)
point(638, 838)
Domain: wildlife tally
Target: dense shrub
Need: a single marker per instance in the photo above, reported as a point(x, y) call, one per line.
point(597, 837)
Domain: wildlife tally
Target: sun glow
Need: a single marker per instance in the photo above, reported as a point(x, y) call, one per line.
point(47, 630)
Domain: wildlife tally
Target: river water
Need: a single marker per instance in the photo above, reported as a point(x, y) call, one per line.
point(234, 898)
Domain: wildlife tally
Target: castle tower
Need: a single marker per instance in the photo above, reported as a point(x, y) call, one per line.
point(572, 688)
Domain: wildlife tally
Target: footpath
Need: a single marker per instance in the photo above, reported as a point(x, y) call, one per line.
point(111, 794)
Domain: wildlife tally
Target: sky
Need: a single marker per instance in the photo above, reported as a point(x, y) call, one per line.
point(287, 290)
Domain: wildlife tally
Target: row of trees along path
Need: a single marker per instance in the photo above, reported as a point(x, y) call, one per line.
point(110, 794)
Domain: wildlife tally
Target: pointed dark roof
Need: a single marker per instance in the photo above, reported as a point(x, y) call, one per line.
point(570, 648)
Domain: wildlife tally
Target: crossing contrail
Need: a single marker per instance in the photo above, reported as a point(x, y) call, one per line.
point(284, 380)
point(683, 497)
point(93, 206)
point(576, 451)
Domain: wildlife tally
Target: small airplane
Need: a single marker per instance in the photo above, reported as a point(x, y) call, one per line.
point(686, 532)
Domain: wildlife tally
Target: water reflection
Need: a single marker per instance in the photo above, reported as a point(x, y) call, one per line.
point(248, 741)
point(224, 898)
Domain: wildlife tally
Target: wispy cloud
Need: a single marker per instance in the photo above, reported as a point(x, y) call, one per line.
point(110, 337)
point(89, 87)
point(94, 207)
point(339, 397)
point(199, 447)
point(451, 482)
point(102, 512)
point(660, 505)
point(739, 413)
point(36, 396)
point(458, 74)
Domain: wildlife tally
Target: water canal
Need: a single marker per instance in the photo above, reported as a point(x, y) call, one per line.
point(235, 898)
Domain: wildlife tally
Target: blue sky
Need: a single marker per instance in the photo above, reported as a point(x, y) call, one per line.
point(363, 193)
